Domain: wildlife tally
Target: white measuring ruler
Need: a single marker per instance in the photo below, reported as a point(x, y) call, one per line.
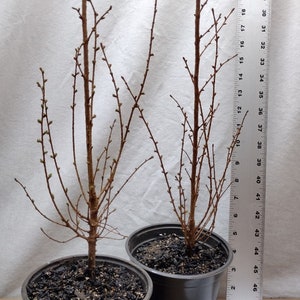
point(247, 199)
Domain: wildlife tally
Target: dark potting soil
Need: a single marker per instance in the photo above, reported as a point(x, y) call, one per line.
point(169, 254)
point(70, 281)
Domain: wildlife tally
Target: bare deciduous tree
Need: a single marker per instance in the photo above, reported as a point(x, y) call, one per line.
point(86, 215)
point(198, 178)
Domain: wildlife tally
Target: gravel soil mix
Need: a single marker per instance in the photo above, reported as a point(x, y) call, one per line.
point(70, 280)
point(168, 254)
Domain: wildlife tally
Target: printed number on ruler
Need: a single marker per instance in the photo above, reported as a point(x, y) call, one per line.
point(247, 199)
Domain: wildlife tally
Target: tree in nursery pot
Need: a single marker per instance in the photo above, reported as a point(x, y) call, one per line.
point(186, 260)
point(86, 215)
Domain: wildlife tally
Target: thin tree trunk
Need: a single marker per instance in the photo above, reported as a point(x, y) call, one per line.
point(93, 205)
point(194, 185)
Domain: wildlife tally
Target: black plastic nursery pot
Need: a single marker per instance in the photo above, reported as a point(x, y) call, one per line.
point(130, 272)
point(167, 286)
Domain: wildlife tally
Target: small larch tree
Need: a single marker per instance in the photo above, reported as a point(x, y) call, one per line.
point(199, 180)
point(87, 215)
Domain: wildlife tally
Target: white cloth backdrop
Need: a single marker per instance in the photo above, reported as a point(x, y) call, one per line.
point(36, 33)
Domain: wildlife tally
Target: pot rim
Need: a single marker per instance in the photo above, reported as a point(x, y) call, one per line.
point(148, 228)
point(107, 258)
